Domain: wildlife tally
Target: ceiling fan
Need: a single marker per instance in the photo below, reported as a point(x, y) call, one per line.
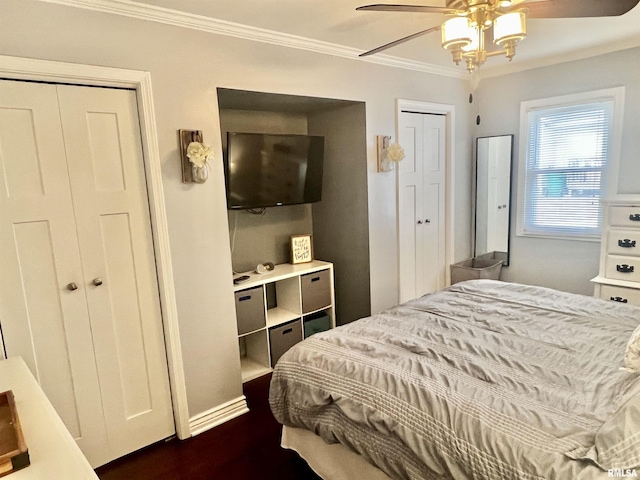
point(464, 33)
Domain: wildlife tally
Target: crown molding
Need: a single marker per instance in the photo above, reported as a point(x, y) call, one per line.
point(594, 51)
point(152, 13)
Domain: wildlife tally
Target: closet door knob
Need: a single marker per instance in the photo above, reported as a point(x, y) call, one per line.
point(72, 286)
point(419, 222)
point(428, 220)
point(97, 281)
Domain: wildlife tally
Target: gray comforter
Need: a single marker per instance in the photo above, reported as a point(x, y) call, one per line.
point(483, 380)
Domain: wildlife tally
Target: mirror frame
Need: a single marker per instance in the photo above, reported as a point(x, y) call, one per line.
point(506, 261)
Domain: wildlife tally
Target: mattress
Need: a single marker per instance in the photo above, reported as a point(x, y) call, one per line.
point(484, 379)
point(331, 461)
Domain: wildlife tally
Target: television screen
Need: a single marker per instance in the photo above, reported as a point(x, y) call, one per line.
point(264, 170)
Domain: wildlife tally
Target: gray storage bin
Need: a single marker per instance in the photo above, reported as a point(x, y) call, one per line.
point(316, 291)
point(476, 268)
point(319, 322)
point(282, 338)
point(250, 310)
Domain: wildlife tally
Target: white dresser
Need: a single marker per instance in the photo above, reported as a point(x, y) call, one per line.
point(53, 452)
point(619, 277)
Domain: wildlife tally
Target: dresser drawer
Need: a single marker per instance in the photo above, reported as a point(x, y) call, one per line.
point(623, 216)
point(620, 294)
point(622, 268)
point(624, 242)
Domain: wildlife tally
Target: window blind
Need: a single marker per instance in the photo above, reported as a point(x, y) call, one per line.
point(567, 154)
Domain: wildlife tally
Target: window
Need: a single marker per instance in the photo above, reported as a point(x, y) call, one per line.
point(566, 151)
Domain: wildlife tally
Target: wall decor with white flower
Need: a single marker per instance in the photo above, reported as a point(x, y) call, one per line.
point(195, 155)
point(388, 154)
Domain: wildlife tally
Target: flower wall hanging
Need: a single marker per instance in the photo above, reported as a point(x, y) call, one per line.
point(395, 152)
point(199, 153)
point(388, 155)
point(195, 156)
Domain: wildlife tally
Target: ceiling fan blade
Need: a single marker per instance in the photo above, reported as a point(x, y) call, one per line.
point(402, 40)
point(576, 8)
point(407, 8)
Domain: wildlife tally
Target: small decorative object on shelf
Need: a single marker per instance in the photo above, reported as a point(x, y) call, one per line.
point(388, 154)
point(263, 268)
point(195, 155)
point(301, 249)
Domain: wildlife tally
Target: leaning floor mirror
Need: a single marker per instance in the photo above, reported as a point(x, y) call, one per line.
point(493, 196)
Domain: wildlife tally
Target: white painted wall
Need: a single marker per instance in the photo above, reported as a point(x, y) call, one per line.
point(186, 68)
point(562, 264)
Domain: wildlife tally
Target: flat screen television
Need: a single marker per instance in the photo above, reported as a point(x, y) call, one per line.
point(265, 170)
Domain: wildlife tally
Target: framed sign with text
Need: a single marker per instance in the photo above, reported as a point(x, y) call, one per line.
point(301, 249)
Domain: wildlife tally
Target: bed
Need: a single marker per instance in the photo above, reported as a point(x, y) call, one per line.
point(482, 380)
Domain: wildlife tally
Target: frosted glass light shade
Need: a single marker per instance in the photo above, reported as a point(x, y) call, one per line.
point(456, 32)
point(511, 26)
point(475, 41)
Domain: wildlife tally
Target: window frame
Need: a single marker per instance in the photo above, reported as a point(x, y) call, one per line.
point(608, 184)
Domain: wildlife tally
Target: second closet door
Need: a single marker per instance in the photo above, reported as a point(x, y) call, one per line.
point(421, 204)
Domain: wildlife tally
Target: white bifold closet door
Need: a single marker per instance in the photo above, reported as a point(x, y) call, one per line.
point(421, 204)
point(79, 296)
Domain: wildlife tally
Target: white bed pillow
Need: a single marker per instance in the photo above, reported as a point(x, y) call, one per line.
point(617, 442)
point(632, 353)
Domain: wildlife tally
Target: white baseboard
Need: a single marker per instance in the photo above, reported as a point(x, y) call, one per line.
point(217, 415)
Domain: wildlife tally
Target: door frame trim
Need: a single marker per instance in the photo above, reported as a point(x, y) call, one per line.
point(18, 68)
point(449, 211)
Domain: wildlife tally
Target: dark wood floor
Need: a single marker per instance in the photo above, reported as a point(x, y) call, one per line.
point(245, 448)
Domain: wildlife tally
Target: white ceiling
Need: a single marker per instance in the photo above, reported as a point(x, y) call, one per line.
point(338, 22)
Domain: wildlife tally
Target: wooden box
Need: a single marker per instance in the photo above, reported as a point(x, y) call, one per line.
point(14, 454)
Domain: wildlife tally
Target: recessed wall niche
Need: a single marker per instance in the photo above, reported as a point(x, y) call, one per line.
point(339, 222)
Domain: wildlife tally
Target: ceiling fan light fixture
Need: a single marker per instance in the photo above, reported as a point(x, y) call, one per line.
point(509, 28)
point(469, 21)
point(456, 33)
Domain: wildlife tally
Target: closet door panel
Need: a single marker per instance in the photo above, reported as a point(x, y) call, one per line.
point(42, 319)
point(410, 201)
point(128, 335)
point(433, 208)
point(106, 168)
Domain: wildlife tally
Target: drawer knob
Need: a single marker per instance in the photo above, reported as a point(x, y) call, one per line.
point(619, 299)
point(626, 243)
point(624, 268)
point(634, 217)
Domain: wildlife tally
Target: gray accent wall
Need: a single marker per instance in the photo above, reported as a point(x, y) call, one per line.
point(341, 220)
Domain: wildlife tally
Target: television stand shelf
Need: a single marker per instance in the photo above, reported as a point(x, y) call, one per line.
point(277, 309)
